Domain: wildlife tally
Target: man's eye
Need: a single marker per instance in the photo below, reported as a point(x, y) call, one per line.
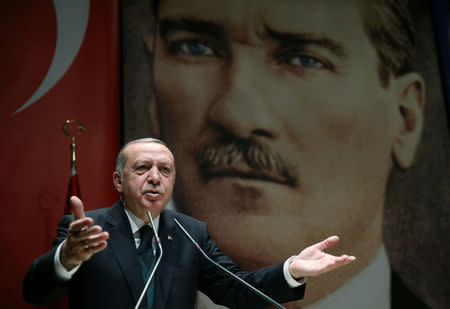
point(192, 48)
point(142, 168)
point(165, 170)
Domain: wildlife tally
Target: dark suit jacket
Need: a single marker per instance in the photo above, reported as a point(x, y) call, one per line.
point(112, 278)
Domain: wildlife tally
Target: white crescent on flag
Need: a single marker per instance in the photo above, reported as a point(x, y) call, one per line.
point(71, 19)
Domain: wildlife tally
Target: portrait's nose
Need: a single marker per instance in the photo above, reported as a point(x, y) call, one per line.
point(242, 107)
point(154, 176)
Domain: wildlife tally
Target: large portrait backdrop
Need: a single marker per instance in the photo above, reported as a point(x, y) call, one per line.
point(294, 120)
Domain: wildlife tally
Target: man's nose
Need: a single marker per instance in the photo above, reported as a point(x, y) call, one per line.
point(244, 106)
point(154, 176)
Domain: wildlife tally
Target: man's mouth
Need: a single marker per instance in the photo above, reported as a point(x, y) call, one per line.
point(151, 193)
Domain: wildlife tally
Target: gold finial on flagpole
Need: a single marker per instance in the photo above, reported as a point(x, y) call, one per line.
point(73, 128)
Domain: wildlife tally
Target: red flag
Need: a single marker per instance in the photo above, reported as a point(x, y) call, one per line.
point(73, 190)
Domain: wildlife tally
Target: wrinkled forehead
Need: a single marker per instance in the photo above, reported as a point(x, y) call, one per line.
point(153, 152)
point(248, 19)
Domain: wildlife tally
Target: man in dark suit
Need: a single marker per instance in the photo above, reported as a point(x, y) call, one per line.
point(99, 266)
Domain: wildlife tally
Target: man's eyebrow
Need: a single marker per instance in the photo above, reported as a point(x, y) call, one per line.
point(304, 39)
point(201, 27)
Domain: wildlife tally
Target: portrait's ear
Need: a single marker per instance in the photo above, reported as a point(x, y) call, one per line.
point(410, 95)
point(117, 182)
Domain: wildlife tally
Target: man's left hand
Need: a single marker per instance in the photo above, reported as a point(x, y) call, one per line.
point(313, 261)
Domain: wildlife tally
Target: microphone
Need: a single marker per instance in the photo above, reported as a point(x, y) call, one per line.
point(264, 296)
point(156, 265)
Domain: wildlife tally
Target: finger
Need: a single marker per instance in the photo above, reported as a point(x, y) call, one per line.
point(80, 225)
point(327, 243)
point(92, 240)
point(349, 260)
point(343, 260)
point(340, 262)
point(98, 247)
point(88, 232)
point(77, 207)
point(96, 240)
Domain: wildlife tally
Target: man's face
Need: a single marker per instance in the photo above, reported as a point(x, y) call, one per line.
point(276, 114)
point(148, 179)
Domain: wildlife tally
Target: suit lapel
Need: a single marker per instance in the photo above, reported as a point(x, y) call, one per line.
point(122, 244)
point(170, 242)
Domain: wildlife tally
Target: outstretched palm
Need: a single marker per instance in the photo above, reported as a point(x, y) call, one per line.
point(313, 261)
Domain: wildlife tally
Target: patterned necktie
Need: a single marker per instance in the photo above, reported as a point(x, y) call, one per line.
point(145, 249)
point(147, 259)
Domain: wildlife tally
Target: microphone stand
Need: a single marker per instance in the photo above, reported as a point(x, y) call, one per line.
point(156, 265)
point(273, 302)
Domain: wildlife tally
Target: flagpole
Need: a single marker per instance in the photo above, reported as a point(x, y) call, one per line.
point(73, 129)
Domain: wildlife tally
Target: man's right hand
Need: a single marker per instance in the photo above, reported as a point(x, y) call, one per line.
point(82, 241)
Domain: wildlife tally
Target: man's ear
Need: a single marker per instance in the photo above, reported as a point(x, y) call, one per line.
point(410, 97)
point(117, 182)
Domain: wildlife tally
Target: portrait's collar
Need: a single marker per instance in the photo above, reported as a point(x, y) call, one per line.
point(370, 289)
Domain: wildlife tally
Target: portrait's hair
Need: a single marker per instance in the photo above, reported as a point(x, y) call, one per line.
point(122, 157)
point(389, 26)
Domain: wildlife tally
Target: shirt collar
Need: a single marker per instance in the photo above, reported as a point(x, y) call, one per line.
point(136, 223)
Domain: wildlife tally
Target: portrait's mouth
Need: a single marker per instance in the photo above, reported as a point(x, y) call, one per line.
point(244, 159)
point(245, 173)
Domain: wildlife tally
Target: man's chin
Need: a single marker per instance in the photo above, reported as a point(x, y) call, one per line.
point(153, 206)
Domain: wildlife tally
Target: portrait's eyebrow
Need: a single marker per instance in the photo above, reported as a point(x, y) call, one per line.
point(166, 25)
point(305, 39)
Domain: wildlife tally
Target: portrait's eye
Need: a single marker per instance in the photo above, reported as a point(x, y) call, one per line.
point(192, 47)
point(306, 61)
point(303, 61)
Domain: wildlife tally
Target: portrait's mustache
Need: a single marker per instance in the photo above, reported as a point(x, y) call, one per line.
point(229, 154)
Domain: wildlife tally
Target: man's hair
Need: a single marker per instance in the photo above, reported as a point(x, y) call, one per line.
point(388, 25)
point(122, 157)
